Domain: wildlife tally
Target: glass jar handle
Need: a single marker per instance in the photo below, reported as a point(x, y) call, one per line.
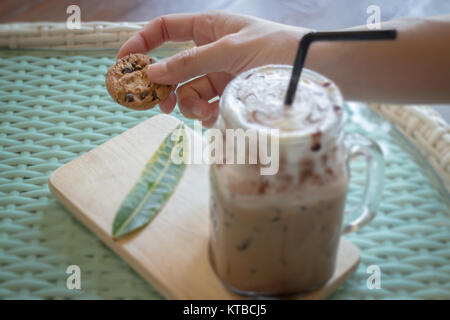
point(359, 145)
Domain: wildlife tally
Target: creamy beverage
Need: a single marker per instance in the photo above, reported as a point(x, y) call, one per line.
point(279, 234)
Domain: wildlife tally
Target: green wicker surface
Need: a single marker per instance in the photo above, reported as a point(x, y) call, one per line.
point(54, 107)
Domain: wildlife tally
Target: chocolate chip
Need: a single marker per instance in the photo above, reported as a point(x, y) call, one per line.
point(127, 70)
point(326, 84)
point(244, 244)
point(315, 141)
point(229, 213)
point(129, 97)
point(263, 187)
point(154, 95)
point(143, 95)
point(315, 147)
point(277, 216)
point(135, 66)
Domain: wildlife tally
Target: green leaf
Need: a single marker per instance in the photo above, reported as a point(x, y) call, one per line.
point(155, 185)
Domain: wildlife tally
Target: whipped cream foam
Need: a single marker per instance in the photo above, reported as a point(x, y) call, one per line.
point(255, 99)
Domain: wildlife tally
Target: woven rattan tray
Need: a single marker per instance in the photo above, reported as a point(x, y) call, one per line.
point(54, 107)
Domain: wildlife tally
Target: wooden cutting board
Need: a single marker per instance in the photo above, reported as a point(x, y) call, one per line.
point(171, 252)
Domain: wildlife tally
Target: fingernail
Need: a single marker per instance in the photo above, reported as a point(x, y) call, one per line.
point(156, 70)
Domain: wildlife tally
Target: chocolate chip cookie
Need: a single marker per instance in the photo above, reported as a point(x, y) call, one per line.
point(128, 85)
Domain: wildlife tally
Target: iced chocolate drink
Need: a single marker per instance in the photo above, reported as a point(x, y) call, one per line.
point(279, 234)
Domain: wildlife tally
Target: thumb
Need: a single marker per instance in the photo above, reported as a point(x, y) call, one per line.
point(190, 63)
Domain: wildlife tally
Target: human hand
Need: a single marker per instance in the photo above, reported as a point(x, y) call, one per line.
point(226, 45)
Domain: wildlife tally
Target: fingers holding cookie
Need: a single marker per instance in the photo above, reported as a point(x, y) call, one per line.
point(128, 85)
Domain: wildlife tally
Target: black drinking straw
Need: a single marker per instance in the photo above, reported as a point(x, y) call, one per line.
point(309, 38)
